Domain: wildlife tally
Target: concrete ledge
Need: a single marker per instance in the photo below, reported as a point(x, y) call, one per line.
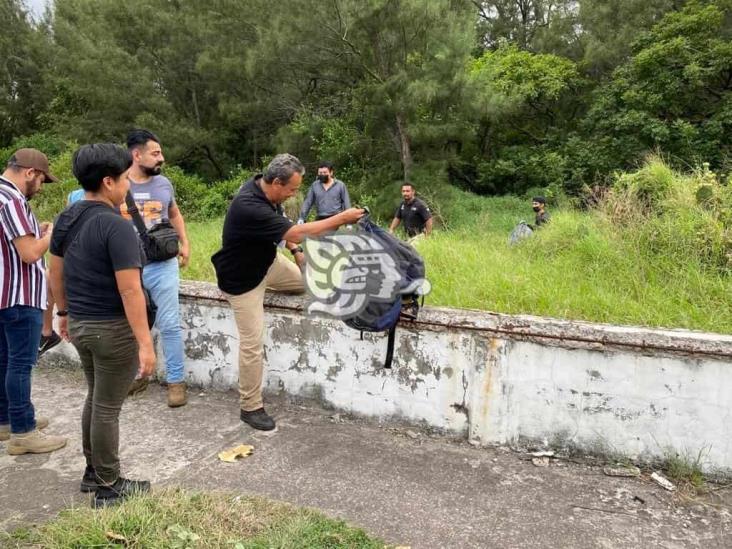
point(549, 331)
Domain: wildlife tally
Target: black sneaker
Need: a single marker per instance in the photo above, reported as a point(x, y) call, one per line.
point(89, 480)
point(259, 419)
point(119, 491)
point(48, 342)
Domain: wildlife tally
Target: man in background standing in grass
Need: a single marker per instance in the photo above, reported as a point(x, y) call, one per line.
point(155, 199)
point(413, 212)
point(538, 204)
point(327, 194)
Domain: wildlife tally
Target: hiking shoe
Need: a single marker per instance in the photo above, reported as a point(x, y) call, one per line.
point(41, 423)
point(34, 442)
point(177, 394)
point(259, 419)
point(48, 342)
point(89, 481)
point(138, 386)
point(119, 491)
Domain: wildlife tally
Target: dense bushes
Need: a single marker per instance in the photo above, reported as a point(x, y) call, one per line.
point(680, 218)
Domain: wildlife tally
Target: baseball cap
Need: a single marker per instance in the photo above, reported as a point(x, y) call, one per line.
point(35, 159)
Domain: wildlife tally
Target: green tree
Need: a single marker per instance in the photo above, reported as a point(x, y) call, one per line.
point(535, 25)
point(610, 27)
point(120, 65)
point(524, 104)
point(23, 62)
point(674, 94)
point(392, 63)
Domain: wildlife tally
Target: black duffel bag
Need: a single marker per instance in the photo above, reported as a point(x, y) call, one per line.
point(161, 241)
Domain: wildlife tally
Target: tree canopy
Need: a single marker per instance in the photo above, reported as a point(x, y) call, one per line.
point(499, 95)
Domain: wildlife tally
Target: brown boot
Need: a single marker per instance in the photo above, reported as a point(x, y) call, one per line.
point(34, 442)
point(41, 423)
point(177, 394)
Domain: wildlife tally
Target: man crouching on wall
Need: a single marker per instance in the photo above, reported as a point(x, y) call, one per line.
point(248, 263)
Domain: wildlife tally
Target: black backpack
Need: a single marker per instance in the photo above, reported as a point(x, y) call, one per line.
point(380, 316)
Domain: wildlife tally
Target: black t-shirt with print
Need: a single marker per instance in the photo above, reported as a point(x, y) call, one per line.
point(252, 229)
point(413, 216)
point(105, 243)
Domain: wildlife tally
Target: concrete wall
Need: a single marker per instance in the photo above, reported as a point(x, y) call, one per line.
point(494, 378)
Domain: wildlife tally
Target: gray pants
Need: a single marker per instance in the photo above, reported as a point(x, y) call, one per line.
point(109, 357)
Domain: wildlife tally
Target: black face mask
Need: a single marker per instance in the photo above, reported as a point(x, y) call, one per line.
point(536, 208)
point(323, 178)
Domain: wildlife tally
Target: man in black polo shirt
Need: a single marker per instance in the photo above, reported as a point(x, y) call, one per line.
point(413, 212)
point(248, 263)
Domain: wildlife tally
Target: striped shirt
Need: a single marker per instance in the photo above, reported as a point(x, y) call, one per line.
point(22, 283)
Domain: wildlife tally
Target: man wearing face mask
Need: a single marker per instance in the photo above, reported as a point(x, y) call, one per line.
point(538, 204)
point(23, 242)
point(155, 199)
point(327, 194)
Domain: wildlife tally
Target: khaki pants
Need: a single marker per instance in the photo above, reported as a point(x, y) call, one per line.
point(283, 276)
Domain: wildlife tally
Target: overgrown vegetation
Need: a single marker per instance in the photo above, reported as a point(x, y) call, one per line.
point(656, 251)
point(179, 520)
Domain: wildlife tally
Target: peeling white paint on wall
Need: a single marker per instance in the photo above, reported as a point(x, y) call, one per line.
point(495, 378)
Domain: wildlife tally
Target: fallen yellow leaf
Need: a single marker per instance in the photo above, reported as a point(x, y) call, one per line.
point(230, 455)
point(111, 536)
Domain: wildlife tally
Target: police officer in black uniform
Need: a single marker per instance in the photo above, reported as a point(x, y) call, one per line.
point(413, 213)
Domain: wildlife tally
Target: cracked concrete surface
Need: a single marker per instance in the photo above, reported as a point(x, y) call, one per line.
point(409, 487)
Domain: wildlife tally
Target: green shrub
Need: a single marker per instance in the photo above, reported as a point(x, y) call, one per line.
point(49, 144)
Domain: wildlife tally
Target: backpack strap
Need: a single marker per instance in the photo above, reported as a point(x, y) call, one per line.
point(135, 214)
point(390, 347)
point(76, 227)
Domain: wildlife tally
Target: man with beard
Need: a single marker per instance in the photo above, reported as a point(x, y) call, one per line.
point(538, 204)
point(155, 199)
point(23, 242)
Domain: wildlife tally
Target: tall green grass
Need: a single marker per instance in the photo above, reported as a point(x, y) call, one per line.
point(652, 254)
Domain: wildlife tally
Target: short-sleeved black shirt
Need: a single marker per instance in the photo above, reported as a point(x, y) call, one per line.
point(414, 216)
point(105, 243)
point(252, 229)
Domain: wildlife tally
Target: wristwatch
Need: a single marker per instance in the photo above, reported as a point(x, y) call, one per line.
point(62, 312)
point(297, 249)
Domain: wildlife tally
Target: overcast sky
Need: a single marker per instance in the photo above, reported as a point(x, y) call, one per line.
point(37, 6)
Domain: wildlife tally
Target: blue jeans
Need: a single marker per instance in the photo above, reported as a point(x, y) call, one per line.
point(20, 335)
point(162, 281)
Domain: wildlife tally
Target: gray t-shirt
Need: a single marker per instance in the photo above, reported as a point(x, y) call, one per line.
point(153, 199)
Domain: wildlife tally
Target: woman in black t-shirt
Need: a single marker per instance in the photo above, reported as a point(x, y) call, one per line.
point(96, 262)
